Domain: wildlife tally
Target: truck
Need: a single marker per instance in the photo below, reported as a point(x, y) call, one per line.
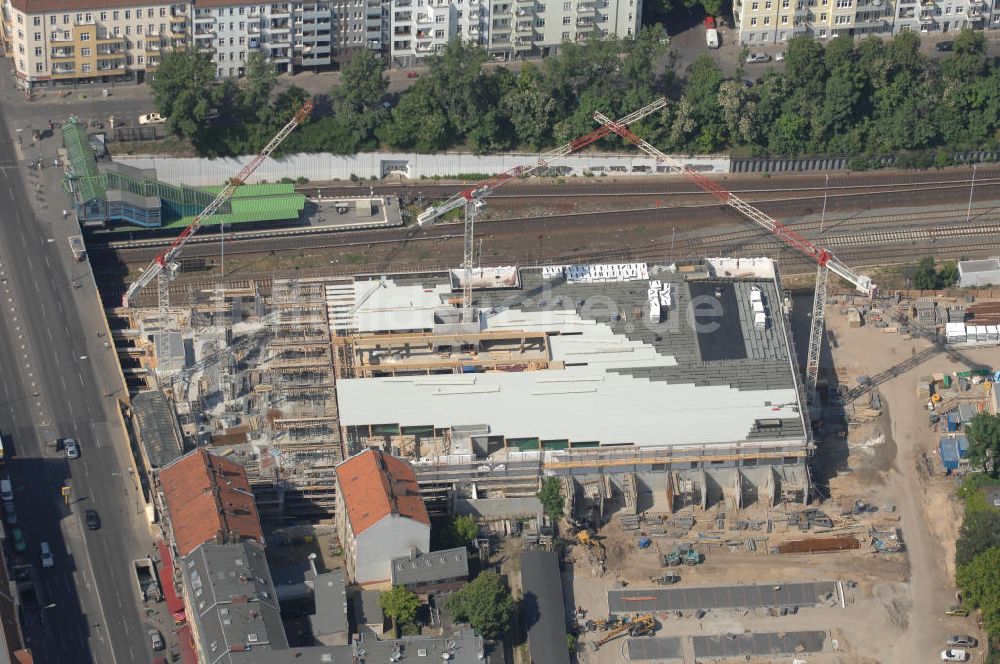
point(711, 32)
point(78, 248)
point(146, 580)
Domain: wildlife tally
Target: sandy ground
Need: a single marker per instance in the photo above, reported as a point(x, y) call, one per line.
point(895, 613)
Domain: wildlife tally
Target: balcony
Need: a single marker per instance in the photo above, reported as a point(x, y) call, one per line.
point(501, 36)
point(105, 51)
point(111, 66)
point(403, 16)
point(402, 31)
point(586, 9)
point(203, 18)
point(585, 23)
point(523, 28)
point(501, 10)
point(279, 11)
point(178, 28)
point(474, 30)
point(204, 32)
point(869, 23)
point(59, 37)
point(151, 47)
point(526, 3)
point(62, 53)
point(425, 19)
point(521, 45)
point(63, 70)
point(907, 12)
point(425, 47)
point(524, 12)
point(281, 26)
point(178, 18)
point(373, 22)
point(253, 28)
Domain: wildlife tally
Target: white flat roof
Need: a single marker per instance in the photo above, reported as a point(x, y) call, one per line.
point(593, 406)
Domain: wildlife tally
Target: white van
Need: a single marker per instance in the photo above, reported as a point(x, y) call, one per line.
point(6, 490)
point(47, 560)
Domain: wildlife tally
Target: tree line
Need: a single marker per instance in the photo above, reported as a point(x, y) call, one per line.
point(872, 97)
point(977, 551)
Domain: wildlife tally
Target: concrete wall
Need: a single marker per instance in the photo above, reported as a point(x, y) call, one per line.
point(320, 167)
point(392, 537)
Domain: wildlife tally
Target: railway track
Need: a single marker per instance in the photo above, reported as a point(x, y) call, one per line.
point(915, 243)
point(910, 192)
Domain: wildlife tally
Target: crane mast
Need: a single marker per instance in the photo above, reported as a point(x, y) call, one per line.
point(472, 198)
point(826, 262)
point(164, 266)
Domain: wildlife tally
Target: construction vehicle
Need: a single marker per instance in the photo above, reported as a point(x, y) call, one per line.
point(164, 267)
point(825, 260)
point(635, 627)
point(687, 556)
point(594, 546)
point(472, 199)
point(666, 579)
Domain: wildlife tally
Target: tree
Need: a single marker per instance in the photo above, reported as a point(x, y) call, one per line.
point(185, 90)
point(485, 603)
point(400, 605)
point(465, 527)
point(949, 274)
point(258, 84)
point(530, 107)
point(983, 433)
point(925, 277)
point(980, 531)
point(551, 498)
point(980, 583)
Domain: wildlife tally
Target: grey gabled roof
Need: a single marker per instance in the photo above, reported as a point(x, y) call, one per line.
point(234, 600)
point(427, 568)
point(544, 611)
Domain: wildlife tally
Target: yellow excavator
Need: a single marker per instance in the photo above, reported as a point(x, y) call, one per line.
point(638, 626)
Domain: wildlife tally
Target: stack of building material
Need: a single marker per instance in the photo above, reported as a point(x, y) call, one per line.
point(660, 298)
point(757, 304)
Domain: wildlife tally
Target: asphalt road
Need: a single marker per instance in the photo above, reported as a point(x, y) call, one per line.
point(57, 380)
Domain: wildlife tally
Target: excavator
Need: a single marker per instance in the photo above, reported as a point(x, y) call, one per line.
point(638, 626)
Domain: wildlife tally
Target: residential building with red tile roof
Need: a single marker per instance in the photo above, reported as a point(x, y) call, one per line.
point(207, 496)
point(380, 514)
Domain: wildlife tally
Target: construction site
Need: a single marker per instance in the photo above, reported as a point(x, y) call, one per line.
point(666, 398)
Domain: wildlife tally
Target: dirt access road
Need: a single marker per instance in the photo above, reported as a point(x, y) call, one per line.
point(928, 510)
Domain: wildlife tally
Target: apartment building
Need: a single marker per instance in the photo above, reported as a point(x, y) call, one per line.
point(762, 22)
point(508, 29)
point(66, 41)
point(293, 36)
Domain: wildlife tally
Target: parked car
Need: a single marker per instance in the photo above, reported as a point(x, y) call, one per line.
point(963, 641)
point(6, 489)
point(954, 655)
point(758, 58)
point(945, 46)
point(957, 611)
point(151, 118)
point(93, 519)
point(412, 74)
point(47, 559)
point(72, 448)
point(155, 640)
point(9, 513)
point(20, 545)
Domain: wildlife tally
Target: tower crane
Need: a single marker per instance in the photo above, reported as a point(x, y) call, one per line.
point(826, 262)
point(164, 267)
point(472, 198)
